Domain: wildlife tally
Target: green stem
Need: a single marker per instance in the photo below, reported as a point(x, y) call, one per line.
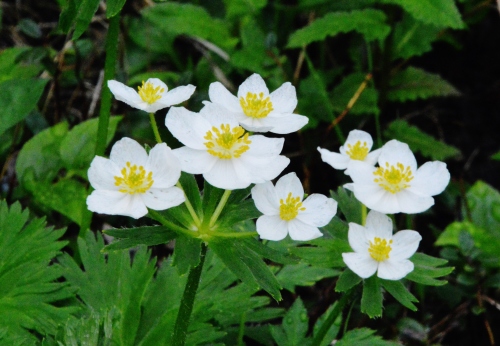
point(155, 128)
point(158, 217)
point(233, 234)
point(187, 302)
point(219, 208)
point(189, 207)
point(241, 331)
point(327, 324)
point(363, 214)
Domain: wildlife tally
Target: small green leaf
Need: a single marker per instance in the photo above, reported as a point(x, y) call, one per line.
point(327, 254)
point(347, 280)
point(235, 213)
point(113, 7)
point(131, 237)
point(210, 199)
point(413, 37)
point(365, 104)
point(13, 67)
point(348, 204)
point(400, 293)
point(270, 253)
point(302, 275)
point(426, 270)
point(371, 300)
point(496, 156)
point(191, 190)
point(363, 337)
point(294, 326)
point(85, 12)
point(30, 28)
point(420, 141)
point(239, 8)
point(186, 253)
point(484, 205)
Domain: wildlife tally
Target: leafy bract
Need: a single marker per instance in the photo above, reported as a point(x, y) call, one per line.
point(427, 269)
point(363, 337)
point(371, 300)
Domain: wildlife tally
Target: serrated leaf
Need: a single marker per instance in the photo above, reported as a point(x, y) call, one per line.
point(327, 254)
point(126, 238)
point(235, 213)
point(413, 37)
point(484, 205)
point(186, 253)
point(420, 141)
point(84, 14)
point(347, 280)
point(302, 275)
point(270, 253)
point(369, 23)
point(427, 268)
point(365, 104)
point(363, 337)
point(294, 326)
point(414, 83)
point(371, 300)
point(400, 293)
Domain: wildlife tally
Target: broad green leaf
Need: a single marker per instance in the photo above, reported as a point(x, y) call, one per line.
point(420, 141)
point(413, 37)
point(13, 67)
point(415, 83)
point(186, 253)
point(342, 94)
point(347, 280)
point(484, 205)
point(334, 329)
point(69, 12)
point(113, 7)
point(370, 23)
point(400, 293)
point(126, 238)
point(441, 13)
point(427, 269)
point(302, 275)
point(363, 337)
point(238, 8)
point(326, 254)
point(294, 326)
point(235, 213)
point(84, 14)
point(371, 300)
point(18, 97)
point(270, 253)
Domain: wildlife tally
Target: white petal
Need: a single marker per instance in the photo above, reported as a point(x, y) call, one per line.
point(264, 147)
point(224, 176)
point(380, 224)
point(116, 203)
point(370, 195)
point(362, 173)
point(156, 82)
point(404, 244)
point(102, 172)
point(394, 152)
point(177, 95)
point(299, 230)
point(430, 179)
point(261, 171)
point(253, 84)
point(362, 264)
point(394, 270)
point(359, 136)
point(335, 160)
point(165, 166)
point(217, 115)
point(188, 127)
point(357, 239)
point(126, 94)
point(161, 199)
point(128, 150)
point(319, 210)
point(286, 123)
point(254, 124)
point(271, 227)
point(372, 157)
point(194, 161)
point(289, 183)
point(265, 199)
point(412, 203)
point(219, 94)
point(284, 99)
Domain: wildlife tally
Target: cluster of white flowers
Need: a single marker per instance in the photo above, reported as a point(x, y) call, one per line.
point(217, 145)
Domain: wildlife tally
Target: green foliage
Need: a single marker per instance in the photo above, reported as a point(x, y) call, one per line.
point(427, 269)
point(363, 337)
point(371, 300)
point(369, 23)
point(365, 104)
point(414, 83)
point(420, 141)
point(413, 37)
point(302, 275)
point(237, 8)
point(347, 280)
point(294, 327)
point(348, 204)
point(131, 237)
point(14, 67)
point(400, 293)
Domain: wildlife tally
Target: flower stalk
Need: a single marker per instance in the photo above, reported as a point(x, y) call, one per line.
point(155, 128)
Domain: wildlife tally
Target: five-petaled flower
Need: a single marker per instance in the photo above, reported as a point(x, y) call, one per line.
point(217, 147)
point(286, 213)
point(356, 148)
point(376, 249)
point(152, 95)
point(257, 110)
point(131, 181)
point(397, 185)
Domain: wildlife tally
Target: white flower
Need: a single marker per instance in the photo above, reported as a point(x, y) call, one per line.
point(397, 185)
point(377, 250)
point(152, 95)
point(286, 213)
point(356, 148)
point(217, 147)
point(256, 109)
point(130, 181)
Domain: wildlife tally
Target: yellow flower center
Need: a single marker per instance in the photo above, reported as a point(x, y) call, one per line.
point(380, 249)
point(357, 151)
point(149, 93)
point(134, 179)
point(227, 143)
point(289, 209)
point(256, 106)
point(393, 178)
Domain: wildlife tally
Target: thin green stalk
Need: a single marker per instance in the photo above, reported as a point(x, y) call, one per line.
point(155, 128)
point(158, 217)
point(363, 214)
point(187, 302)
point(234, 234)
point(241, 330)
point(219, 208)
point(189, 207)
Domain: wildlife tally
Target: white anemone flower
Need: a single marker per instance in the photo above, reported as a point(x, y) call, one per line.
point(152, 95)
point(217, 147)
point(256, 109)
point(376, 249)
point(356, 148)
point(397, 185)
point(131, 181)
point(286, 213)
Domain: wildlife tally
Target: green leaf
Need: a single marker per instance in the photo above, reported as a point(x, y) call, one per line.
point(12, 66)
point(420, 141)
point(327, 254)
point(484, 204)
point(238, 8)
point(18, 97)
point(269, 253)
point(347, 280)
point(294, 326)
point(496, 156)
point(235, 213)
point(130, 237)
point(191, 191)
point(210, 199)
point(348, 204)
point(113, 7)
point(186, 253)
point(363, 337)
point(427, 268)
point(302, 275)
point(414, 83)
point(441, 13)
point(371, 300)
point(365, 104)
point(400, 293)
point(83, 17)
point(369, 23)
point(413, 37)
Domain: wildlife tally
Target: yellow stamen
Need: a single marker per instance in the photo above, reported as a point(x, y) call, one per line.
point(149, 93)
point(380, 250)
point(357, 151)
point(227, 143)
point(256, 106)
point(134, 179)
point(393, 178)
point(289, 209)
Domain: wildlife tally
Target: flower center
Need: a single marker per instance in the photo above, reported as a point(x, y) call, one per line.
point(227, 142)
point(380, 249)
point(289, 209)
point(357, 151)
point(393, 178)
point(256, 106)
point(134, 179)
point(149, 93)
